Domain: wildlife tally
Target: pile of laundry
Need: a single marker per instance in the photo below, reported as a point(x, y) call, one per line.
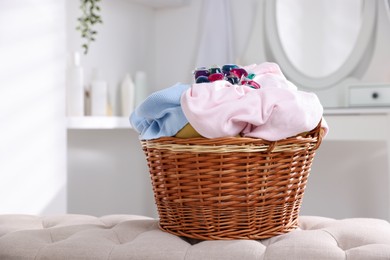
point(251, 101)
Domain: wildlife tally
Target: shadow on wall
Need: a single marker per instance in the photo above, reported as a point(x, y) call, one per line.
point(55, 205)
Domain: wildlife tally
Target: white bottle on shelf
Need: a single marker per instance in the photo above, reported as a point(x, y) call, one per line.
point(74, 87)
point(127, 96)
point(99, 98)
point(140, 87)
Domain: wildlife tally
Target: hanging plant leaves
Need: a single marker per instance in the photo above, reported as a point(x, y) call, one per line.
point(89, 18)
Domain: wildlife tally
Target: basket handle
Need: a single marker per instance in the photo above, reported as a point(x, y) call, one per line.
point(319, 132)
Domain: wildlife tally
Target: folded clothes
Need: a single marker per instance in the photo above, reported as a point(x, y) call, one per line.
point(220, 109)
point(160, 114)
point(272, 110)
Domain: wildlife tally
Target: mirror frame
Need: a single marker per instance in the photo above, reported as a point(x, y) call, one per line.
point(363, 40)
point(387, 6)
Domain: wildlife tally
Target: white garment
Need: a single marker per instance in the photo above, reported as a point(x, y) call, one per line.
point(216, 41)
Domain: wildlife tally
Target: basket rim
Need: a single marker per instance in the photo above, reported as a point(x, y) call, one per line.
point(308, 140)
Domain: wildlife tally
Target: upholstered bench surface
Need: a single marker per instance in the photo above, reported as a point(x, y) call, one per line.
point(137, 237)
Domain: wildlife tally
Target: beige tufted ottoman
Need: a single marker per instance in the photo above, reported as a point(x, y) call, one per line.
point(136, 237)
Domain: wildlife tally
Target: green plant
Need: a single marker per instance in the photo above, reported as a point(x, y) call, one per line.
point(89, 18)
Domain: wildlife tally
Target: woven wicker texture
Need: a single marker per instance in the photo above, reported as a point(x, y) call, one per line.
point(230, 188)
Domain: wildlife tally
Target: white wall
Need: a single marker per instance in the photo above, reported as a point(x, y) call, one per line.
point(32, 107)
point(378, 70)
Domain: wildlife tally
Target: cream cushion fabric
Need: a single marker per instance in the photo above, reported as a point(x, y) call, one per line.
point(136, 237)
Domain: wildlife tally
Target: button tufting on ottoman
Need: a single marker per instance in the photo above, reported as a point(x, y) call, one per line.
point(137, 237)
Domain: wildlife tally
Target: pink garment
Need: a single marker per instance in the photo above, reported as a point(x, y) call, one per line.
point(268, 75)
point(220, 109)
point(263, 68)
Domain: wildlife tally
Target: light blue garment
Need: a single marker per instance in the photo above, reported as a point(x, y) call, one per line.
point(160, 114)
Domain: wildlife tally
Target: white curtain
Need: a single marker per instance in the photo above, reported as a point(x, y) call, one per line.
point(216, 36)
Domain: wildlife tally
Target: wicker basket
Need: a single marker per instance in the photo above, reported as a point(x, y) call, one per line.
point(230, 188)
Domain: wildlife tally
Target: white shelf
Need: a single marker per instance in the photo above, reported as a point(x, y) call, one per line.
point(98, 122)
point(357, 111)
point(358, 124)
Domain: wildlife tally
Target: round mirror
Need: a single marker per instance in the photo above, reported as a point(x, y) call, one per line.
point(318, 36)
point(319, 42)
